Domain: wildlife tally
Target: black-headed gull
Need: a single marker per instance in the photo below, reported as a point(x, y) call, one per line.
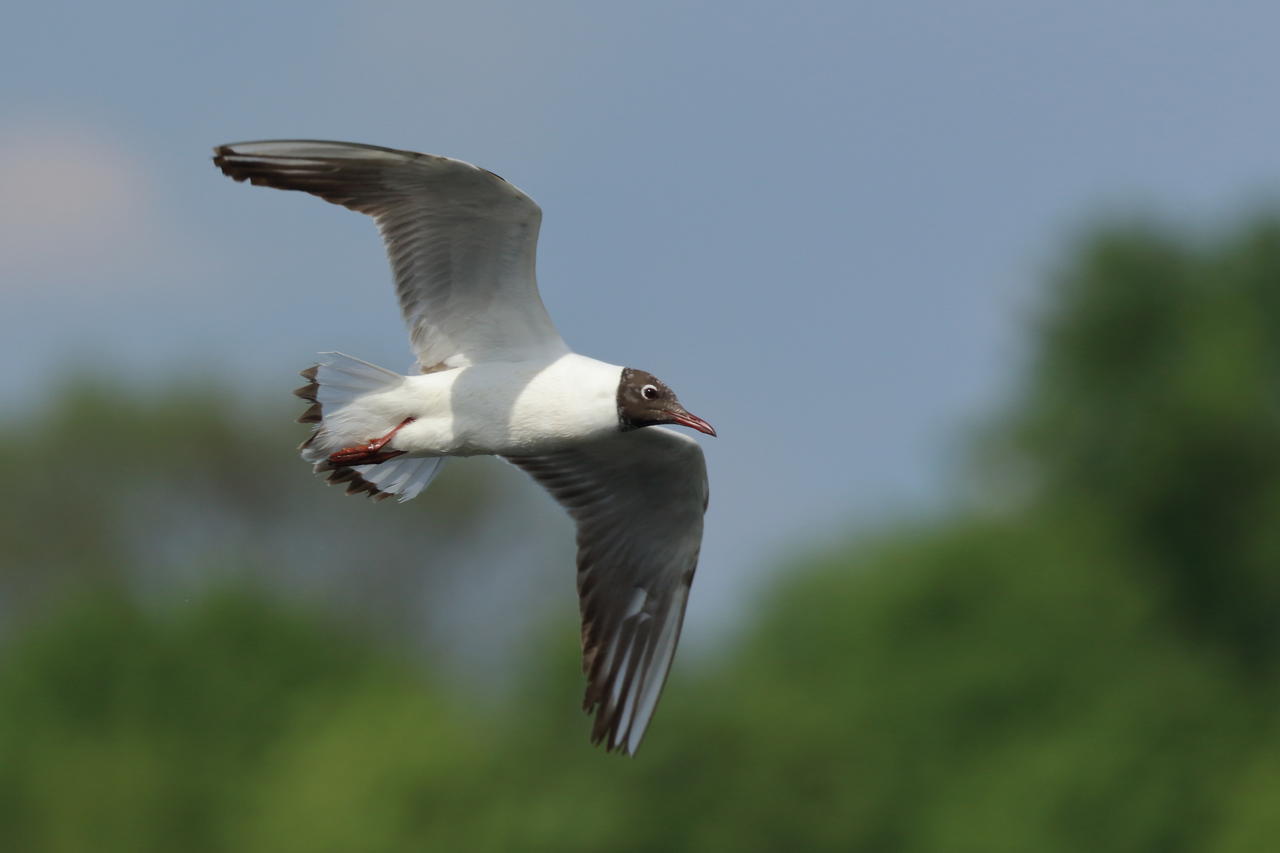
point(496, 378)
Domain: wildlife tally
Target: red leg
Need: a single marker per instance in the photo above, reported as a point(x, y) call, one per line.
point(369, 453)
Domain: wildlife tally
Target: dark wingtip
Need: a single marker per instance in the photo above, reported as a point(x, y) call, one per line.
point(221, 153)
point(359, 485)
point(356, 485)
point(315, 412)
point(603, 741)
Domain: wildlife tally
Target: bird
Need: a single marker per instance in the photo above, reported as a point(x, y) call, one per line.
point(494, 377)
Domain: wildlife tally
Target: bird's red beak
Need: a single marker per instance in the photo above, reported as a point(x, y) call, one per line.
point(686, 418)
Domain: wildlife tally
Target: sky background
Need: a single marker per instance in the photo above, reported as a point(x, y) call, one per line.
point(827, 226)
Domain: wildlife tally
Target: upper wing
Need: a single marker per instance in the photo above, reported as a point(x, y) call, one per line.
point(462, 241)
point(638, 498)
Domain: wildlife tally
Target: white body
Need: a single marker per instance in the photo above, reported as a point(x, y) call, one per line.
point(498, 408)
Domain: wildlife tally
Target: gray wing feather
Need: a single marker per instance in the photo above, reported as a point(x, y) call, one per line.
point(461, 240)
point(638, 498)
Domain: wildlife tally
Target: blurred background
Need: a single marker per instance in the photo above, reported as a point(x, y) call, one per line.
point(984, 299)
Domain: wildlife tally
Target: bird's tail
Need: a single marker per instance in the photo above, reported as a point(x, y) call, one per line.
point(334, 390)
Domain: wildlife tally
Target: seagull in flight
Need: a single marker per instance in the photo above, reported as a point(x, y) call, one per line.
point(495, 377)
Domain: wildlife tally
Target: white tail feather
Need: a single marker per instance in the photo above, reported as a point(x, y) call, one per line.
point(338, 384)
point(344, 379)
point(405, 476)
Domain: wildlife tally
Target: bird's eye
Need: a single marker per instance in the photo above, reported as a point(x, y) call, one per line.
point(650, 392)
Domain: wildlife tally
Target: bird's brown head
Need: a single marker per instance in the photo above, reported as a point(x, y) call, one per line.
point(645, 400)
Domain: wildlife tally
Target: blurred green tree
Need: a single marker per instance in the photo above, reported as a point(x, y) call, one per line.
point(155, 493)
point(1155, 399)
point(125, 729)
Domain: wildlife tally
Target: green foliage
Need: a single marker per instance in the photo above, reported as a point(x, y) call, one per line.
point(1091, 668)
point(1000, 687)
point(114, 489)
point(127, 729)
point(1156, 399)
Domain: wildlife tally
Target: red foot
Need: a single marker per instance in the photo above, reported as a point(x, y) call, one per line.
point(348, 456)
point(369, 453)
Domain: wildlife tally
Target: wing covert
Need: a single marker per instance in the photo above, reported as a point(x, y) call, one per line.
point(462, 241)
point(638, 498)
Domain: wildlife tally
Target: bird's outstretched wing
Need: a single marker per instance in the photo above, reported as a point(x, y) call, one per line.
point(461, 240)
point(638, 498)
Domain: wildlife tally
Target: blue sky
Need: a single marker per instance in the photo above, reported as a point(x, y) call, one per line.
point(825, 224)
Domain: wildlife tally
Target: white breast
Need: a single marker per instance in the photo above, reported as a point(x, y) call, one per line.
point(510, 408)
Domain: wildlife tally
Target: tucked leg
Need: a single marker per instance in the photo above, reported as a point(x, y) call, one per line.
point(369, 453)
